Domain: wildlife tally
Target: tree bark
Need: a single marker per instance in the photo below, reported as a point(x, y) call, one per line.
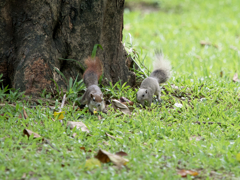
point(34, 34)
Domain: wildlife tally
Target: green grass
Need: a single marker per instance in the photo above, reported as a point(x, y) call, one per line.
point(157, 139)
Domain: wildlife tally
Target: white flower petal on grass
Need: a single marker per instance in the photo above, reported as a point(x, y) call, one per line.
point(178, 105)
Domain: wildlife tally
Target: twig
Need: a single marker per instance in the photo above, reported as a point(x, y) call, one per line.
point(73, 104)
point(63, 101)
point(140, 67)
point(2, 105)
point(210, 123)
point(46, 141)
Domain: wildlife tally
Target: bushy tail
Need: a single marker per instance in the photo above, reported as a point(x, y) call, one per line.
point(93, 71)
point(162, 68)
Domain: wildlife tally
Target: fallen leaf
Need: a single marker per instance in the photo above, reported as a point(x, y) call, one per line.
point(74, 135)
point(221, 73)
point(99, 117)
point(106, 157)
point(112, 136)
point(122, 107)
point(125, 101)
point(63, 164)
point(29, 133)
point(204, 43)
point(5, 117)
point(95, 111)
point(20, 116)
point(121, 153)
point(24, 175)
point(59, 115)
point(78, 125)
point(92, 163)
point(106, 143)
point(238, 157)
point(184, 173)
point(235, 78)
point(25, 114)
point(83, 148)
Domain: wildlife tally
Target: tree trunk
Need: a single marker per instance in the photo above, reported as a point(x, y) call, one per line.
point(34, 34)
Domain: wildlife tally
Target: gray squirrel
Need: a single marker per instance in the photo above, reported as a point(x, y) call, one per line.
point(93, 96)
point(150, 85)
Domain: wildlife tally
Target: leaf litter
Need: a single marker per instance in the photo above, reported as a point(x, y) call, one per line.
point(184, 173)
point(116, 159)
point(122, 107)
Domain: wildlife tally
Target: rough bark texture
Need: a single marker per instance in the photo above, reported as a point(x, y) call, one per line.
point(34, 34)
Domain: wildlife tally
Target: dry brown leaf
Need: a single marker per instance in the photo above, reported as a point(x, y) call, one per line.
point(29, 133)
point(106, 143)
point(74, 135)
point(20, 116)
point(121, 153)
point(184, 173)
point(84, 149)
point(24, 175)
point(125, 101)
point(112, 136)
point(122, 107)
point(25, 114)
point(204, 43)
point(3, 115)
point(221, 73)
point(99, 117)
point(106, 157)
point(235, 78)
point(78, 125)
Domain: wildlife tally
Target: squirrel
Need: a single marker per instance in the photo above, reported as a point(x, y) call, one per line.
point(150, 85)
point(93, 96)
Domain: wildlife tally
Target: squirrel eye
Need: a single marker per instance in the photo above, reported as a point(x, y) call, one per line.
point(143, 95)
point(93, 98)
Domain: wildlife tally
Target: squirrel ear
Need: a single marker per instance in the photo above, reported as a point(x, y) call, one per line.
point(146, 91)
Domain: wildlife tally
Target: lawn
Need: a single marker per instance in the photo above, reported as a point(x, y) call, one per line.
point(196, 127)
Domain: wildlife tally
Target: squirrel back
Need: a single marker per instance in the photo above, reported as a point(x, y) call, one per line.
point(162, 68)
point(93, 71)
point(150, 85)
point(93, 96)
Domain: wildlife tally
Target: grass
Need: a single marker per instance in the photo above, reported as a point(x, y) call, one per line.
point(159, 140)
